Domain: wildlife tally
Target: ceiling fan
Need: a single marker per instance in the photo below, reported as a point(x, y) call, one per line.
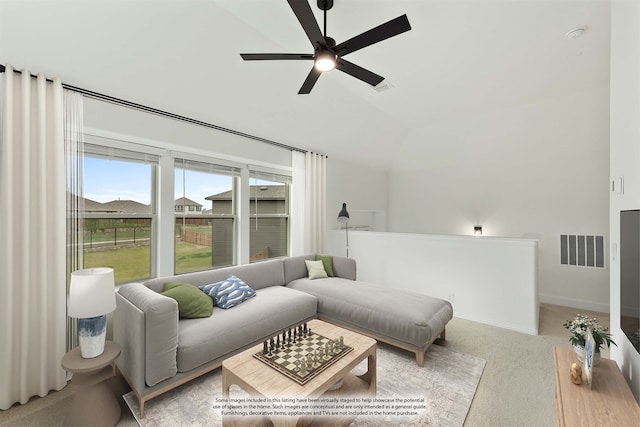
point(327, 55)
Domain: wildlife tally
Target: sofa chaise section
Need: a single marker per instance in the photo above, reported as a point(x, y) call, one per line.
point(404, 319)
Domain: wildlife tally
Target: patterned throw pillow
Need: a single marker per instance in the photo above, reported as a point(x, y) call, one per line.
point(228, 292)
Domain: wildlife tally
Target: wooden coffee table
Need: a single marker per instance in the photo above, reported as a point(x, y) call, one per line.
point(260, 380)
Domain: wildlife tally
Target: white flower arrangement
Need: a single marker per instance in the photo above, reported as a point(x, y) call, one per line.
point(578, 327)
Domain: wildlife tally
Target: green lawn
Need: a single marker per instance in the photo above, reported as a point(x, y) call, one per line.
point(132, 263)
point(192, 257)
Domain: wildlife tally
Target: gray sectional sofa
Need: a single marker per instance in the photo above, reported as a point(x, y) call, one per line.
point(161, 351)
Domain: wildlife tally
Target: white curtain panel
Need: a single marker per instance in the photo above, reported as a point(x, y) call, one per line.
point(315, 208)
point(74, 173)
point(298, 179)
point(32, 239)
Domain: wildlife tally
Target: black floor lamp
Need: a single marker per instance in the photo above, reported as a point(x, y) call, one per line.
point(343, 216)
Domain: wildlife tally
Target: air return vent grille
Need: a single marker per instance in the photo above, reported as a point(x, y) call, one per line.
point(582, 250)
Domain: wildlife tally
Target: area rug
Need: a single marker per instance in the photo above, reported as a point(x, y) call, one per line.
point(445, 386)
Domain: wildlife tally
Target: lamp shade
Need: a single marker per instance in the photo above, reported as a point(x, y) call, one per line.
point(343, 216)
point(91, 293)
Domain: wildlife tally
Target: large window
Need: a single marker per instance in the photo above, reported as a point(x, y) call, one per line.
point(129, 217)
point(118, 210)
point(205, 215)
point(269, 215)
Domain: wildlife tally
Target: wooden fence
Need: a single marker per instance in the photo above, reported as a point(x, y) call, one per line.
point(196, 237)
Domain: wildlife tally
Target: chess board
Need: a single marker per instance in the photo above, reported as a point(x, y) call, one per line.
point(284, 359)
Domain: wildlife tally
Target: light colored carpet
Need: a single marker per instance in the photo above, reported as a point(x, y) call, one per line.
point(516, 388)
point(447, 383)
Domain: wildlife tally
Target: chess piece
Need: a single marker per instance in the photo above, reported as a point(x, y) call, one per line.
point(264, 348)
point(341, 341)
point(304, 328)
point(271, 346)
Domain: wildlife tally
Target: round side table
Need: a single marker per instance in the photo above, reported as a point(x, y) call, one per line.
point(94, 404)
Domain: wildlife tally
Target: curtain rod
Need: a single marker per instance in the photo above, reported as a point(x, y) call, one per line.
point(123, 102)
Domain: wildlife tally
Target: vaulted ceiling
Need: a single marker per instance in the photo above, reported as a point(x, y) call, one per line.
point(461, 58)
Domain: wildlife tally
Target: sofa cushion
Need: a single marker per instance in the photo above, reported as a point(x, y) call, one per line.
point(315, 269)
point(295, 267)
point(327, 261)
point(229, 292)
point(226, 331)
point(192, 302)
point(344, 267)
point(409, 317)
point(258, 275)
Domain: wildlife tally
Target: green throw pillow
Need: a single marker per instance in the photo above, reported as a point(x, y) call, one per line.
point(315, 269)
point(327, 261)
point(192, 302)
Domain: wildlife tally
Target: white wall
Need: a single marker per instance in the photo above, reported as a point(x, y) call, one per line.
point(118, 121)
point(487, 279)
point(625, 158)
point(538, 169)
point(363, 189)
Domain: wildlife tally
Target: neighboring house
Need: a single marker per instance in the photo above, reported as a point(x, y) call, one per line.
point(127, 213)
point(268, 210)
point(127, 206)
point(269, 199)
point(92, 206)
point(184, 204)
point(115, 207)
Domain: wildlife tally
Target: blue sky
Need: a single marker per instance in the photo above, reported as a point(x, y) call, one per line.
point(106, 180)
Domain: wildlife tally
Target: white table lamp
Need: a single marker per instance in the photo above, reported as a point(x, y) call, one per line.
point(91, 296)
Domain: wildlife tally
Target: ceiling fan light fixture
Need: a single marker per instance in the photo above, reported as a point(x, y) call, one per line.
point(325, 61)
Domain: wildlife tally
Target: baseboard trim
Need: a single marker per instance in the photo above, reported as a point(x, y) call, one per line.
point(496, 324)
point(575, 303)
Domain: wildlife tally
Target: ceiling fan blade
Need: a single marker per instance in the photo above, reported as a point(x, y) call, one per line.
point(382, 32)
point(311, 80)
point(274, 56)
point(303, 12)
point(358, 72)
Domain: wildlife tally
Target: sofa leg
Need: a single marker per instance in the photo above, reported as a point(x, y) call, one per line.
point(420, 358)
point(141, 405)
point(443, 334)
